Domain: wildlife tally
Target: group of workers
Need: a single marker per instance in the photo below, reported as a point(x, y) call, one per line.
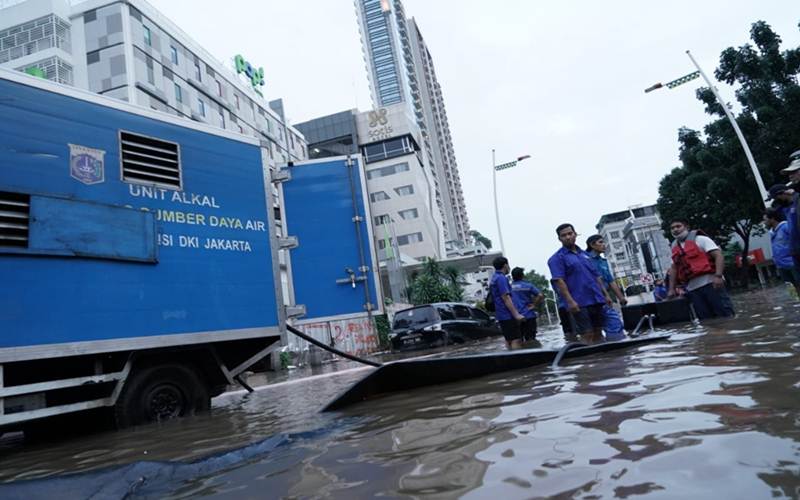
point(587, 290)
point(784, 225)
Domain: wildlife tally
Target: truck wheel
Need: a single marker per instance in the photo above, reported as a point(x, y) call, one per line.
point(159, 393)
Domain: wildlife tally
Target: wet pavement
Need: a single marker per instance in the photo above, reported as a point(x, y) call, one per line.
point(714, 412)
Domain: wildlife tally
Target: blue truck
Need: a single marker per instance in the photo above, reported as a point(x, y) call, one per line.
point(145, 261)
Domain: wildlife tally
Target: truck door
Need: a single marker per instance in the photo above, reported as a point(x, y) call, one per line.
point(333, 269)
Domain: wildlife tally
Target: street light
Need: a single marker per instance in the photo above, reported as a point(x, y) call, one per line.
point(495, 168)
point(742, 141)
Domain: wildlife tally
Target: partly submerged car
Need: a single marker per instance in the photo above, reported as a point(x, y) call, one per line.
point(439, 324)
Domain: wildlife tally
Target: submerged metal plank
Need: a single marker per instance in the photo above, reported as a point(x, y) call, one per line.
point(407, 375)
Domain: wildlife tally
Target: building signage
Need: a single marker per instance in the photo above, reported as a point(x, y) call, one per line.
point(256, 76)
point(379, 127)
point(86, 164)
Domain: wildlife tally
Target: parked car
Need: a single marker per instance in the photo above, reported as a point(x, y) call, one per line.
point(439, 324)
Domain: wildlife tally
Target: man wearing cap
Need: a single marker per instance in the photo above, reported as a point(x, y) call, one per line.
point(791, 209)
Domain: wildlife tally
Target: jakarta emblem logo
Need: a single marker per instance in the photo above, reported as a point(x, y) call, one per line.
point(86, 164)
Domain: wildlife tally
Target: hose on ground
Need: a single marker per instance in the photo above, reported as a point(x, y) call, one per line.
point(328, 348)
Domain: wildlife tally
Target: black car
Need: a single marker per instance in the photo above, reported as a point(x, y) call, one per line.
point(440, 324)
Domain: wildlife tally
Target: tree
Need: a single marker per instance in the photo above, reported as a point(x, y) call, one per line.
point(477, 236)
point(714, 187)
point(434, 284)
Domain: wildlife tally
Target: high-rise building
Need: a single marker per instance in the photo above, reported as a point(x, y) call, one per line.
point(400, 71)
point(128, 50)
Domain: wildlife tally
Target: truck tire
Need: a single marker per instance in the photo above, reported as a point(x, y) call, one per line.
point(159, 393)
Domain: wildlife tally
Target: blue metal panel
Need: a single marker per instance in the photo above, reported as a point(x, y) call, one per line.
point(74, 228)
point(319, 211)
point(214, 269)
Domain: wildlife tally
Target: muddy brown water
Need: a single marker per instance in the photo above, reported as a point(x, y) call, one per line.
point(714, 413)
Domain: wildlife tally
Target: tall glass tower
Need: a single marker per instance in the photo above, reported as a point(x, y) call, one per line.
point(400, 70)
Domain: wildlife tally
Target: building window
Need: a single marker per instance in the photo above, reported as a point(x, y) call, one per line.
point(219, 89)
point(201, 107)
point(404, 190)
point(388, 170)
point(619, 256)
point(151, 77)
point(241, 130)
point(408, 239)
point(411, 213)
point(221, 119)
point(378, 196)
point(173, 52)
point(381, 219)
point(147, 38)
point(197, 74)
point(387, 149)
point(178, 93)
point(236, 99)
point(614, 234)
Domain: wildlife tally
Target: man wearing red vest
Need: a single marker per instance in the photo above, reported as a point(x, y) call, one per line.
point(697, 264)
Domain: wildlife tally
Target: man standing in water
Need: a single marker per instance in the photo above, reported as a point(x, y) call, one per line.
point(612, 323)
point(504, 310)
point(698, 262)
point(579, 285)
point(525, 297)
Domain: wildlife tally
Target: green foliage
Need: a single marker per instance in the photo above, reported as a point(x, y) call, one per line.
point(285, 359)
point(714, 187)
point(477, 236)
point(435, 284)
point(383, 328)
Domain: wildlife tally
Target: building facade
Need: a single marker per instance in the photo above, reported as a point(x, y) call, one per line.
point(636, 245)
point(401, 191)
point(128, 50)
point(400, 71)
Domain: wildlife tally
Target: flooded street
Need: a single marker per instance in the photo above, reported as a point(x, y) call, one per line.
point(712, 413)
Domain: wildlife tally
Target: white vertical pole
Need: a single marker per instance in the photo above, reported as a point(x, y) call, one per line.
point(735, 125)
point(496, 212)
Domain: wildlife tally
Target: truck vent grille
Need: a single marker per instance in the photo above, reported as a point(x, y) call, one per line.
point(150, 161)
point(14, 219)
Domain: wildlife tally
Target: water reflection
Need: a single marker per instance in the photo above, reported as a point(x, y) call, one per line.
point(712, 413)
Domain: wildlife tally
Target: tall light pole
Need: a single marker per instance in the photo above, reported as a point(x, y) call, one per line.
point(495, 168)
point(742, 141)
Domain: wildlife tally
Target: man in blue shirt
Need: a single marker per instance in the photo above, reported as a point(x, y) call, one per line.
point(792, 209)
point(525, 297)
point(782, 247)
point(579, 285)
point(504, 310)
point(612, 322)
point(660, 291)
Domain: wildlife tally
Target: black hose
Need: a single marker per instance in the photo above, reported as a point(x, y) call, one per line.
point(329, 348)
point(563, 351)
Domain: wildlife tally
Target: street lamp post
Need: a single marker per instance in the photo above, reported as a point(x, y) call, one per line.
point(495, 168)
point(680, 81)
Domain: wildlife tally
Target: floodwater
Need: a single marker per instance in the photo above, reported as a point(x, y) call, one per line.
point(713, 413)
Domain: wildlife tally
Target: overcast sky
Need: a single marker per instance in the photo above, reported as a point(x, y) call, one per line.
point(561, 81)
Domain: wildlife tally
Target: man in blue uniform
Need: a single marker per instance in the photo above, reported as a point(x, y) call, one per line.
point(792, 209)
point(579, 285)
point(612, 322)
point(504, 310)
point(525, 297)
point(781, 247)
